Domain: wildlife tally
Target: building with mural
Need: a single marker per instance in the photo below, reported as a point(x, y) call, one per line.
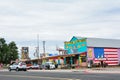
point(93, 50)
point(83, 51)
point(106, 50)
point(77, 49)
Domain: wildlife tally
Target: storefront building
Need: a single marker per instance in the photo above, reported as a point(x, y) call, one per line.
point(92, 50)
point(82, 51)
point(77, 48)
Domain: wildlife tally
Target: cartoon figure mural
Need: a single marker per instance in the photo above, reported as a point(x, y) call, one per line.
point(76, 46)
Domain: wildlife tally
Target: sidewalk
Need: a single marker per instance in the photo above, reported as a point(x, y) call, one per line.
point(82, 70)
point(102, 70)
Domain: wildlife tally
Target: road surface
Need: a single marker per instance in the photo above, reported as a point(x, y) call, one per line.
point(54, 75)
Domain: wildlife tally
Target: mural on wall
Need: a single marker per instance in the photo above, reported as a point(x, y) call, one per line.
point(119, 55)
point(99, 52)
point(111, 55)
point(90, 53)
point(76, 46)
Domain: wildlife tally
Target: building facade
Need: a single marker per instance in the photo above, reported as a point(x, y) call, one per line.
point(82, 51)
point(94, 50)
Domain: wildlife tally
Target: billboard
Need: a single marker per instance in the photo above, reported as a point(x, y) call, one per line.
point(76, 46)
point(25, 53)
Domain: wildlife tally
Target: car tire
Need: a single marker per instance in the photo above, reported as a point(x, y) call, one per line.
point(9, 69)
point(17, 69)
point(25, 69)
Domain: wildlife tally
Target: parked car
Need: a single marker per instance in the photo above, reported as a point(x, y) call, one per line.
point(35, 66)
point(48, 65)
point(18, 66)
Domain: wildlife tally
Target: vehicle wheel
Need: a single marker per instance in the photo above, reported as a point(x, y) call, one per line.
point(17, 69)
point(25, 69)
point(9, 69)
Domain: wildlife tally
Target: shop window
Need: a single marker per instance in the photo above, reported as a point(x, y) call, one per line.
point(83, 58)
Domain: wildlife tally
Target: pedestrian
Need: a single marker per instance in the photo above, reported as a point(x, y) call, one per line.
point(89, 64)
point(105, 64)
point(102, 64)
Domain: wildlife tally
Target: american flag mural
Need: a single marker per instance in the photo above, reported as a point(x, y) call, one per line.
point(111, 56)
point(98, 54)
point(119, 56)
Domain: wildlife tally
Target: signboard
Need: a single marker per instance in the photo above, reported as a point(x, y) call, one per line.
point(53, 54)
point(76, 46)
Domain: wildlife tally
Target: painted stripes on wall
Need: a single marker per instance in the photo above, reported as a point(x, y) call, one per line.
point(111, 56)
point(108, 61)
point(113, 64)
point(112, 59)
point(110, 50)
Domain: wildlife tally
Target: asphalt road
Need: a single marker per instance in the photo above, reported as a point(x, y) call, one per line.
point(31, 75)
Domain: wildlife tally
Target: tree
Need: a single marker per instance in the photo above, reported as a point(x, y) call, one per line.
point(8, 52)
point(3, 50)
point(13, 51)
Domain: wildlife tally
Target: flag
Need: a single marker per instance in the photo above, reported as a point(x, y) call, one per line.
point(111, 56)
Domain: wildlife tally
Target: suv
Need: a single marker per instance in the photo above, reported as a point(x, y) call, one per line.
point(48, 65)
point(18, 66)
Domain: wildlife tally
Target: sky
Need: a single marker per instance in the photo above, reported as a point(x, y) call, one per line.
point(56, 21)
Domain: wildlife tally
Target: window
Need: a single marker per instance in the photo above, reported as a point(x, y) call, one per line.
point(83, 58)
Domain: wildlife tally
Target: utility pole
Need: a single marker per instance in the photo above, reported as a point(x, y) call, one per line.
point(44, 48)
point(38, 48)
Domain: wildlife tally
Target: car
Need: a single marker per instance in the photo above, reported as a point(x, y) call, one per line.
point(18, 66)
point(35, 66)
point(48, 65)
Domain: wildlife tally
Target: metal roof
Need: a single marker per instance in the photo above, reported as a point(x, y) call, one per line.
point(101, 42)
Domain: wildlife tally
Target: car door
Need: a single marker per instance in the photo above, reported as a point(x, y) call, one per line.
point(14, 66)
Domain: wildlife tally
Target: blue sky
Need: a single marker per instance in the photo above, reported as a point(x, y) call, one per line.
point(57, 21)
